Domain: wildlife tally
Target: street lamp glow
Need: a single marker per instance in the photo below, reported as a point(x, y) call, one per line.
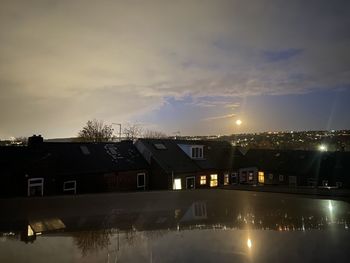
point(249, 243)
point(238, 122)
point(322, 148)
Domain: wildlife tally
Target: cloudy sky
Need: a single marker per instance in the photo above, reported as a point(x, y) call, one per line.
point(188, 66)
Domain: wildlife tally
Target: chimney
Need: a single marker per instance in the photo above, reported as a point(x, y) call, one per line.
point(35, 141)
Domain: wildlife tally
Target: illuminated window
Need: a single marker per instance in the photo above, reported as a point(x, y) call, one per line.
point(203, 180)
point(30, 231)
point(226, 179)
point(261, 177)
point(213, 180)
point(177, 184)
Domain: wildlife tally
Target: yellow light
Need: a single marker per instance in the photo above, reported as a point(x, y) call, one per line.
point(249, 243)
point(203, 179)
point(30, 231)
point(213, 180)
point(238, 122)
point(261, 177)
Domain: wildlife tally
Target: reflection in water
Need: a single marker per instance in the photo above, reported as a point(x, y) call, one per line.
point(249, 243)
point(116, 232)
point(92, 241)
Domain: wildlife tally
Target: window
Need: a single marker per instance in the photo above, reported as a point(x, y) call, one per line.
point(70, 186)
point(160, 146)
point(281, 178)
point(203, 180)
point(261, 177)
point(234, 179)
point(226, 179)
point(141, 180)
point(292, 180)
point(177, 184)
point(213, 180)
point(190, 182)
point(84, 149)
point(270, 176)
point(200, 210)
point(250, 176)
point(197, 152)
point(36, 187)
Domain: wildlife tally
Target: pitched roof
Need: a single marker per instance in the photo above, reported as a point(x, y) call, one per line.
point(168, 154)
point(283, 161)
point(216, 154)
point(172, 158)
point(95, 157)
point(70, 158)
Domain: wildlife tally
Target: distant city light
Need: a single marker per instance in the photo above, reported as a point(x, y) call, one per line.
point(322, 148)
point(249, 243)
point(238, 122)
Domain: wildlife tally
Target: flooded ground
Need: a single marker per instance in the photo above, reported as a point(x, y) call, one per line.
point(186, 226)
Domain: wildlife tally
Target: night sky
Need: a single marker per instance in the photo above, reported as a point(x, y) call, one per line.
point(189, 66)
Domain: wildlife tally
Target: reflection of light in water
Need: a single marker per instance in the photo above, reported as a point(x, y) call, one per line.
point(30, 231)
point(249, 243)
point(330, 206)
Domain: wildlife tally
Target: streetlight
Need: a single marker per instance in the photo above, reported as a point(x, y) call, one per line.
point(120, 130)
point(322, 148)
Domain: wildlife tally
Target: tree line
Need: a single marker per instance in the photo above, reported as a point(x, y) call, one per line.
point(97, 131)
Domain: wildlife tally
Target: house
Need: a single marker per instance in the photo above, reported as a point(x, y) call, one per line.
point(186, 164)
point(49, 168)
point(291, 167)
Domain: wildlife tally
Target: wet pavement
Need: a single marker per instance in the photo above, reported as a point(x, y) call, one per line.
point(186, 226)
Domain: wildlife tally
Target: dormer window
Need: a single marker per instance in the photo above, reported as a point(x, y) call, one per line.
point(197, 152)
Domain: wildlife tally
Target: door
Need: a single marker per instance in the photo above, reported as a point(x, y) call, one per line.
point(36, 187)
point(190, 182)
point(141, 181)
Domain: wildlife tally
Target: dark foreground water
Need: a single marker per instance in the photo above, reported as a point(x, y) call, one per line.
point(188, 226)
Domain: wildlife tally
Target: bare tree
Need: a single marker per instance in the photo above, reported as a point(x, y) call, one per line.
point(92, 241)
point(96, 131)
point(152, 134)
point(132, 131)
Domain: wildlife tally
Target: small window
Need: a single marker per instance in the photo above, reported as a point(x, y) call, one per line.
point(197, 152)
point(141, 180)
point(261, 177)
point(203, 180)
point(250, 176)
point(213, 180)
point(84, 149)
point(177, 184)
point(36, 187)
point(200, 210)
point(160, 146)
point(70, 186)
point(112, 150)
point(270, 176)
point(281, 178)
point(226, 179)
